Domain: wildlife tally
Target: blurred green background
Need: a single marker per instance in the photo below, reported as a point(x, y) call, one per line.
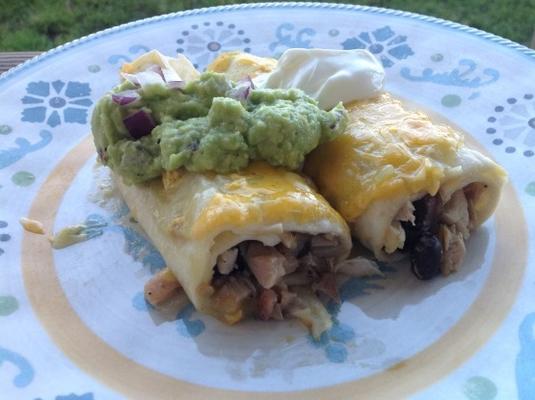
point(43, 24)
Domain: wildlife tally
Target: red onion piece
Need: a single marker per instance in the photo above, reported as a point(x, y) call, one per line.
point(170, 75)
point(125, 97)
point(242, 90)
point(144, 78)
point(176, 85)
point(157, 69)
point(132, 78)
point(247, 81)
point(139, 124)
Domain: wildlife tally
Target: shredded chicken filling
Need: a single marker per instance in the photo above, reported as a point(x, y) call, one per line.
point(290, 280)
point(252, 278)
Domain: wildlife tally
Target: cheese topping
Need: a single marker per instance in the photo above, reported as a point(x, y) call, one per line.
point(262, 194)
point(386, 151)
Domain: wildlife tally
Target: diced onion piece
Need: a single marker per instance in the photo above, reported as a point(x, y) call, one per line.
point(132, 78)
point(139, 124)
point(126, 97)
point(170, 75)
point(157, 69)
point(176, 85)
point(247, 81)
point(144, 78)
point(155, 74)
point(242, 90)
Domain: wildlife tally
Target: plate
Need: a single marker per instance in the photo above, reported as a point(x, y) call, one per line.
point(74, 324)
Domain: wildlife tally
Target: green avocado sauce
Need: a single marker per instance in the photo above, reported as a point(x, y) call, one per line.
point(203, 128)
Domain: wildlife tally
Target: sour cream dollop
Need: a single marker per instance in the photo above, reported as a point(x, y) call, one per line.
point(329, 76)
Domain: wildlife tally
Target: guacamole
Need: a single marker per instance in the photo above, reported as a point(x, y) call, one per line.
point(211, 124)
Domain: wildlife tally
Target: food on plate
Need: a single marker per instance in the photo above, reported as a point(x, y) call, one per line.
point(69, 235)
point(237, 65)
point(407, 185)
point(32, 225)
point(154, 121)
point(255, 242)
point(197, 159)
point(328, 76)
point(216, 168)
point(404, 184)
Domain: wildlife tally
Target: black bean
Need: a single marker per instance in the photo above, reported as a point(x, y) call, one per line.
point(426, 256)
point(427, 212)
point(412, 234)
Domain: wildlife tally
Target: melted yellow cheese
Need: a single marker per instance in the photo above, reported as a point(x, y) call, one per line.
point(180, 64)
point(262, 195)
point(386, 151)
point(236, 65)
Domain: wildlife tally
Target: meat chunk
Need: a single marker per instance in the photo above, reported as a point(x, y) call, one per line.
point(406, 213)
point(266, 303)
point(161, 287)
point(227, 261)
point(473, 192)
point(289, 240)
point(395, 234)
point(277, 312)
point(394, 237)
point(325, 246)
point(290, 264)
point(456, 213)
point(453, 249)
point(266, 263)
point(287, 298)
point(358, 266)
point(293, 243)
point(300, 278)
point(327, 286)
point(230, 297)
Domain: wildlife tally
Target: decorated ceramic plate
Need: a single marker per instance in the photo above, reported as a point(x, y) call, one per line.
point(74, 323)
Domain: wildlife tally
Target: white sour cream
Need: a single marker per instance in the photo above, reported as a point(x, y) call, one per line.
point(329, 76)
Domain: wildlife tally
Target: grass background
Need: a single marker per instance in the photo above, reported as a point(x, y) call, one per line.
point(43, 24)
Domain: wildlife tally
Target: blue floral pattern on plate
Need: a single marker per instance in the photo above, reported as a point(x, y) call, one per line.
point(4, 237)
point(384, 43)
point(133, 52)
point(514, 121)
point(56, 102)
point(288, 36)
point(73, 396)
point(25, 373)
point(23, 147)
point(203, 42)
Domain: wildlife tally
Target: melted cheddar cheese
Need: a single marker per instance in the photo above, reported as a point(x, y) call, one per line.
point(181, 65)
point(261, 195)
point(236, 65)
point(386, 151)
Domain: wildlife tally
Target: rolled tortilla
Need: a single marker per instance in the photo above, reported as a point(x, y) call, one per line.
point(258, 242)
point(389, 157)
point(194, 218)
point(390, 160)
